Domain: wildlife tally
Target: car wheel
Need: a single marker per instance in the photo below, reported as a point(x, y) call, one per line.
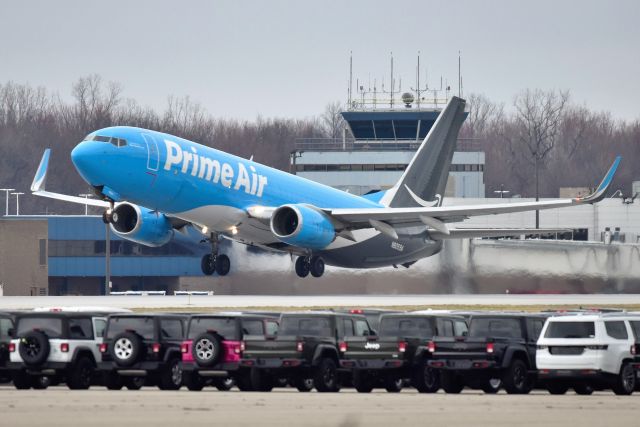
point(583, 389)
point(492, 385)
point(80, 374)
point(126, 348)
point(112, 381)
point(557, 387)
point(134, 383)
point(393, 385)
point(450, 382)
point(40, 382)
point(303, 384)
point(243, 381)
point(22, 380)
point(625, 383)
point(326, 376)
point(261, 380)
point(516, 378)
point(193, 381)
point(207, 349)
point(224, 384)
point(425, 379)
point(171, 376)
point(361, 382)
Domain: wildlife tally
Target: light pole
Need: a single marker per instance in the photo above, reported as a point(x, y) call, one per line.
point(501, 191)
point(6, 193)
point(86, 206)
point(18, 194)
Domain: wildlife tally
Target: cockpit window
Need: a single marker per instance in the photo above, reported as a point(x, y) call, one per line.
point(101, 138)
point(118, 142)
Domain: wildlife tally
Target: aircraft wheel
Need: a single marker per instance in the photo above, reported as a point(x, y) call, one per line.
point(302, 267)
point(223, 265)
point(208, 264)
point(316, 266)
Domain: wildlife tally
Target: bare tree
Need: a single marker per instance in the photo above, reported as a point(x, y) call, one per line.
point(538, 122)
point(332, 121)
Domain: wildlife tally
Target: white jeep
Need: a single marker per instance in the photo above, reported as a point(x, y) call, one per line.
point(587, 352)
point(53, 347)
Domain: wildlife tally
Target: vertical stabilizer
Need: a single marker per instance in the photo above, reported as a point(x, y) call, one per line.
point(424, 181)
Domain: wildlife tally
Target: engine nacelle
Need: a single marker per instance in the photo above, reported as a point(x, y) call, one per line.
point(141, 225)
point(302, 226)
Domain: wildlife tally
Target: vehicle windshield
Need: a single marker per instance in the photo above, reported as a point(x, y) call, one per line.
point(51, 326)
point(223, 326)
point(499, 327)
point(306, 326)
point(406, 327)
point(142, 326)
point(570, 330)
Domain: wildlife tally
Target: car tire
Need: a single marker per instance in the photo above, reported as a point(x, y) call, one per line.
point(243, 381)
point(34, 348)
point(112, 381)
point(224, 384)
point(393, 385)
point(126, 348)
point(361, 382)
point(261, 380)
point(557, 387)
point(491, 386)
point(207, 349)
point(40, 382)
point(22, 380)
point(134, 383)
point(326, 378)
point(170, 378)
point(583, 389)
point(516, 378)
point(193, 381)
point(303, 385)
point(425, 379)
point(451, 383)
point(80, 374)
point(625, 383)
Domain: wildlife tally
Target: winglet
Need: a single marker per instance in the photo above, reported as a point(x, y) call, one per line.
point(599, 194)
point(40, 179)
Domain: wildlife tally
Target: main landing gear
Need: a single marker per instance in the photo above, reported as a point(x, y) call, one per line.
point(306, 265)
point(214, 262)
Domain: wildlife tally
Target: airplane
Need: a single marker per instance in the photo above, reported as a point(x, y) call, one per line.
point(152, 184)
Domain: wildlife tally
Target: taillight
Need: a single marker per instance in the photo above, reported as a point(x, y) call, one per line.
point(489, 347)
point(12, 347)
point(103, 347)
point(356, 311)
point(184, 347)
point(402, 346)
point(64, 347)
point(242, 346)
point(238, 348)
point(300, 346)
point(431, 346)
point(155, 347)
point(343, 346)
point(633, 349)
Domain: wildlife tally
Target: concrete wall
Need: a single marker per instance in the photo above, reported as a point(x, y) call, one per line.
point(21, 270)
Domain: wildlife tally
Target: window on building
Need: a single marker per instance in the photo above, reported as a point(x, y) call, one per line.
point(43, 252)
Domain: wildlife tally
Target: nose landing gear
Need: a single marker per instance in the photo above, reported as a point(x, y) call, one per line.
point(306, 265)
point(214, 262)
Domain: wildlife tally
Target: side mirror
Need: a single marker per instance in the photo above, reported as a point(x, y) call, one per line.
point(366, 333)
point(465, 333)
point(11, 332)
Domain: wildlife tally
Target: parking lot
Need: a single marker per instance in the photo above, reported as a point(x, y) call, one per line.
point(58, 406)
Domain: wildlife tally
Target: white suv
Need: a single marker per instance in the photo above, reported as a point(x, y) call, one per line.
point(53, 347)
point(587, 352)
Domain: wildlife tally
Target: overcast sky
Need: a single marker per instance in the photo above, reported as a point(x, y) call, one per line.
point(241, 59)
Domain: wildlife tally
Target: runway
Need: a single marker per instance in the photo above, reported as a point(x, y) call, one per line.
point(240, 301)
point(58, 406)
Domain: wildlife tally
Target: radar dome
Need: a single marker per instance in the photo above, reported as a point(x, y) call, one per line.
point(408, 99)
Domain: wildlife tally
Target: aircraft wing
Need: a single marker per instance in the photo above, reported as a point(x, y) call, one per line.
point(436, 217)
point(40, 179)
point(470, 233)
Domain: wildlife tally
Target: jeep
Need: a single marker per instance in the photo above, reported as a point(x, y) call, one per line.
point(212, 351)
point(53, 347)
point(143, 349)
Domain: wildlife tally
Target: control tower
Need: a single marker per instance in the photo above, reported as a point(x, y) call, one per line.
point(382, 129)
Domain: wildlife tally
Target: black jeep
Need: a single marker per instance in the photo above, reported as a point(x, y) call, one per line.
point(307, 351)
point(399, 351)
point(498, 351)
point(6, 326)
point(143, 349)
point(212, 350)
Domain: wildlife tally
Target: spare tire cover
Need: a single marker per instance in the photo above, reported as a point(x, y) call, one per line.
point(207, 349)
point(34, 348)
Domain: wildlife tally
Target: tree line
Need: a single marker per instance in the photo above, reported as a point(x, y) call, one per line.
point(570, 144)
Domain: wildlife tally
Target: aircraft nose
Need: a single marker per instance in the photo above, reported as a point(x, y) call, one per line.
point(85, 157)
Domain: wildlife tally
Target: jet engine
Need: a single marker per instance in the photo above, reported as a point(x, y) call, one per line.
point(303, 226)
point(141, 225)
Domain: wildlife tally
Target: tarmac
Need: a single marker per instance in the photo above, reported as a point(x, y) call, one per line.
point(239, 301)
point(58, 406)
